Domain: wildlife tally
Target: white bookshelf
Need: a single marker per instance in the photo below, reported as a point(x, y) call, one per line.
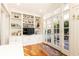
point(18, 21)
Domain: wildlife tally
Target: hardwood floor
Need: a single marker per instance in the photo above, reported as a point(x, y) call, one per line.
point(41, 50)
point(34, 50)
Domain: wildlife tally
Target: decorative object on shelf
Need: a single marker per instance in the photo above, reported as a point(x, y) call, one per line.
point(16, 16)
point(37, 25)
point(37, 19)
point(15, 26)
point(16, 33)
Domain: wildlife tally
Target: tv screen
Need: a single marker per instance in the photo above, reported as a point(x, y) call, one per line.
point(28, 31)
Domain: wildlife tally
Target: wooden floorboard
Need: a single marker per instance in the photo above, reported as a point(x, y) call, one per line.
point(41, 50)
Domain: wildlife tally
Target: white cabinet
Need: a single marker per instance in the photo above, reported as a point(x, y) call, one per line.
point(66, 30)
point(74, 42)
point(15, 40)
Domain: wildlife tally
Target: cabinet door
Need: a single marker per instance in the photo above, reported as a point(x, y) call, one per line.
point(76, 30)
point(66, 33)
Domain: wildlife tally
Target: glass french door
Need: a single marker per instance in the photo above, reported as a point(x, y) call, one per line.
point(49, 25)
point(66, 30)
point(56, 31)
point(66, 35)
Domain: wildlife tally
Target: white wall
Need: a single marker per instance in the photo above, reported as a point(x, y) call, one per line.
point(4, 25)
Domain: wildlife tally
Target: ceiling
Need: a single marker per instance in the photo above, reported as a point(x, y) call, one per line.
point(33, 8)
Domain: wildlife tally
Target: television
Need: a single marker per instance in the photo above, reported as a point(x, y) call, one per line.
point(28, 31)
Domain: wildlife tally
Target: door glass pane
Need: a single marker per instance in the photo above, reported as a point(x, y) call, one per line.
point(58, 30)
point(55, 39)
point(66, 23)
point(66, 31)
point(49, 39)
point(66, 42)
point(66, 35)
point(54, 30)
point(58, 40)
point(58, 24)
point(54, 25)
point(49, 35)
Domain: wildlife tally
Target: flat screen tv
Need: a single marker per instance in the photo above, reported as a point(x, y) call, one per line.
point(28, 31)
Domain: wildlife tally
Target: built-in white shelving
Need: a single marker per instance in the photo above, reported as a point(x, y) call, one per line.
point(19, 21)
